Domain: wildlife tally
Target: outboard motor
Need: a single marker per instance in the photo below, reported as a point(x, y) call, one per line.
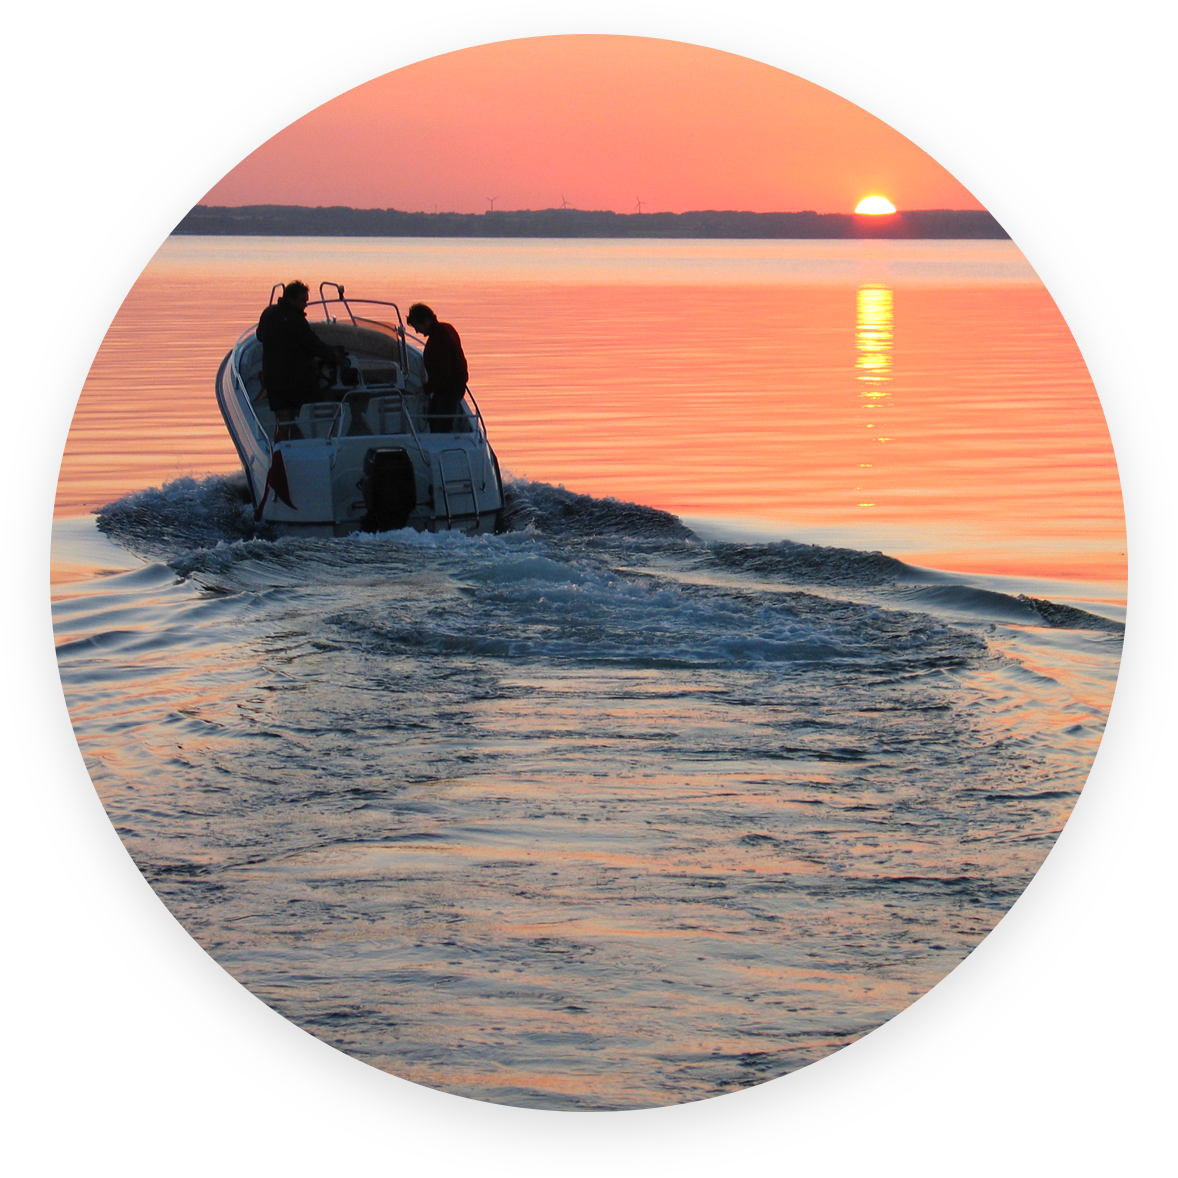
point(390, 488)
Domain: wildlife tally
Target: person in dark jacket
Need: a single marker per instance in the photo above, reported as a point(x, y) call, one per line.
point(445, 367)
point(289, 348)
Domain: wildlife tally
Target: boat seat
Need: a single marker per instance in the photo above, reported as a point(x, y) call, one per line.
point(386, 415)
point(316, 418)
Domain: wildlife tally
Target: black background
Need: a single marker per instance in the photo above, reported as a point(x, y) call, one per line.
point(136, 1014)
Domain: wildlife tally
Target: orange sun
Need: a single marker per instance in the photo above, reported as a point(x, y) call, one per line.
point(875, 205)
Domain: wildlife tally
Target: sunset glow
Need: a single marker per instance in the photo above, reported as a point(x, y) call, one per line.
point(875, 206)
point(589, 122)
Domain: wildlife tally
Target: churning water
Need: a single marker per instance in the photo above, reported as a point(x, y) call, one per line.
point(594, 813)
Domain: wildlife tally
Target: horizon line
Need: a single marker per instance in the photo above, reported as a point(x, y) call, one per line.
point(569, 209)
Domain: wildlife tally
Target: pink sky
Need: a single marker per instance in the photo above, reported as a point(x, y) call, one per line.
point(599, 121)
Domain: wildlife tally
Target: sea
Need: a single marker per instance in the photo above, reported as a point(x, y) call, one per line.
point(769, 700)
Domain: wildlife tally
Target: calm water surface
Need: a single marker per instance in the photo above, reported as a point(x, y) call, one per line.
point(607, 812)
point(924, 398)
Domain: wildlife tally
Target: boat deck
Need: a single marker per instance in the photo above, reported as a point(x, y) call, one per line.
point(374, 406)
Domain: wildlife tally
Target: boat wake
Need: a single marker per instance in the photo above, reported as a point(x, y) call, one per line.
point(184, 514)
point(190, 515)
point(591, 813)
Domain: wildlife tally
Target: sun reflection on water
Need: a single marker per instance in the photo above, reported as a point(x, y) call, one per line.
point(873, 361)
point(873, 339)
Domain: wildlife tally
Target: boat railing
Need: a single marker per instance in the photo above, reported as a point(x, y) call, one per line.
point(474, 413)
point(254, 424)
point(395, 326)
point(339, 291)
point(479, 428)
point(480, 425)
point(325, 304)
point(372, 394)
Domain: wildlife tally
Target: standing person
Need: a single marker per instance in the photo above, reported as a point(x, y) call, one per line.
point(289, 347)
point(445, 367)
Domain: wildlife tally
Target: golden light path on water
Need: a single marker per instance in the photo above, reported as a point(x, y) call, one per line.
point(873, 341)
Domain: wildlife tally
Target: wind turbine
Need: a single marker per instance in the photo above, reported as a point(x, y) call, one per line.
point(492, 199)
point(638, 204)
point(564, 204)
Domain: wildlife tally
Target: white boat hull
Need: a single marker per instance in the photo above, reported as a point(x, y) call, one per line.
point(367, 460)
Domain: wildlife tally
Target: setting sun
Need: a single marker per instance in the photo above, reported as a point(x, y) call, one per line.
point(875, 205)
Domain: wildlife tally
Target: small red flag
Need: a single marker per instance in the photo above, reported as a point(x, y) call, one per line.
point(276, 481)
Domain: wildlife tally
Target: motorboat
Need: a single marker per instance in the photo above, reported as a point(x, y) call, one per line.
point(365, 456)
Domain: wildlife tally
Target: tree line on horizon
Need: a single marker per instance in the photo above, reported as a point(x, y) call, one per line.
point(341, 221)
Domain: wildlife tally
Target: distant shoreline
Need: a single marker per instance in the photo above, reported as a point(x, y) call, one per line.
point(340, 221)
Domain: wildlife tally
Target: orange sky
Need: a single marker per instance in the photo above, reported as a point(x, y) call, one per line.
point(599, 121)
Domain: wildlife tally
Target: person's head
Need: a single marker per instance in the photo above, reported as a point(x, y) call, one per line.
point(297, 293)
point(421, 318)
